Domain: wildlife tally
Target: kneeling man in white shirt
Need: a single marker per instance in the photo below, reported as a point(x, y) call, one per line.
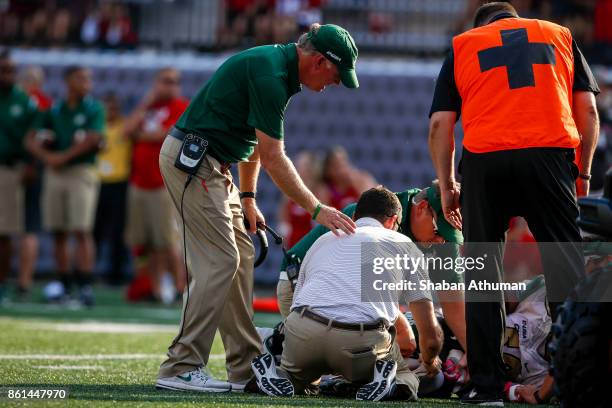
point(340, 325)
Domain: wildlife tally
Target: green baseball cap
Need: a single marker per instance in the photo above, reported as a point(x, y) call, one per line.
point(447, 231)
point(337, 45)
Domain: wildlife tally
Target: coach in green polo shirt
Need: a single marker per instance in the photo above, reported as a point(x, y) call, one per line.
point(17, 115)
point(424, 223)
point(70, 186)
point(241, 111)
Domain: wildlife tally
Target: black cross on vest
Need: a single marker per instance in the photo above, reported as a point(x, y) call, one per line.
point(518, 55)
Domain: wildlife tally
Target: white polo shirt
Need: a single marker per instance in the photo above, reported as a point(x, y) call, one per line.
point(330, 276)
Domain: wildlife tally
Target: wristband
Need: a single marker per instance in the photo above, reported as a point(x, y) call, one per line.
point(585, 176)
point(247, 194)
point(316, 211)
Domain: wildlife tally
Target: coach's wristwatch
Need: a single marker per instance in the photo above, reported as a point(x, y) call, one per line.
point(247, 194)
point(585, 176)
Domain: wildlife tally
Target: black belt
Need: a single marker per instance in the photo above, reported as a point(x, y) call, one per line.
point(304, 311)
point(180, 135)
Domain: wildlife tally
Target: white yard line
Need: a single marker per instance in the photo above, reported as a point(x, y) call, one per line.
point(105, 327)
point(79, 357)
point(69, 367)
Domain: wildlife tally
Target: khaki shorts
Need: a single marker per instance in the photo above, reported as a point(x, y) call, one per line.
point(70, 198)
point(312, 349)
point(151, 219)
point(12, 201)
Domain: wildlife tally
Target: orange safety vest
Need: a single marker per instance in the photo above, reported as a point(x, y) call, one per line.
point(515, 78)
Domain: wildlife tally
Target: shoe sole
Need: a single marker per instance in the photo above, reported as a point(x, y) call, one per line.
point(485, 403)
point(166, 385)
point(237, 388)
point(377, 390)
point(268, 382)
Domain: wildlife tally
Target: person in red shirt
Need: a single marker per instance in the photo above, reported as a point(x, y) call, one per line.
point(295, 221)
point(31, 80)
point(151, 226)
point(344, 182)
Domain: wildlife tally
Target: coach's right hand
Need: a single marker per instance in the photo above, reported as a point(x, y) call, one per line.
point(335, 220)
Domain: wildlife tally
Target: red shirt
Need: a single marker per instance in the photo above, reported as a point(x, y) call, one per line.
point(602, 30)
point(339, 200)
point(145, 154)
point(44, 102)
point(299, 220)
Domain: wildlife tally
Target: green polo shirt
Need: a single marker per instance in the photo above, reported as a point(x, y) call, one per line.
point(405, 198)
point(249, 91)
point(18, 114)
point(70, 124)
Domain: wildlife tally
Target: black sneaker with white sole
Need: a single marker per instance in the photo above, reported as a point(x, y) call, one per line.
point(268, 379)
point(483, 399)
point(273, 343)
point(383, 383)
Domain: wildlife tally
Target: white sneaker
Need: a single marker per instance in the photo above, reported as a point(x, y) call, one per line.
point(268, 379)
point(195, 380)
point(383, 383)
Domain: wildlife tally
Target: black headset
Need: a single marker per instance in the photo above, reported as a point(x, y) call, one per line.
point(263, 240)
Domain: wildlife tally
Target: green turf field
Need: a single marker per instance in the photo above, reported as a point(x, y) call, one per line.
point(109, 357)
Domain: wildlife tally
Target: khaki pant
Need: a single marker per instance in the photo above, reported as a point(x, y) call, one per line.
point(70, 198)
point(220, 258)
point(284, 297)
point(312, 349)
point(150, 218)
point(11, 201)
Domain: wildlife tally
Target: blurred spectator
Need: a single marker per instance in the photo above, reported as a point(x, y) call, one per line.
point(109, 25)
point(35, 28)
point(151, 226)
point(602, 35)
point(602, 159)
point(258, 22)
point(43, 23)
point(18, 114)
point(246, 21)
point(47, 26)
point(114, 171)
point(60, 28)
point(70, 187)
point(344, 182)
point(578, 16)
point(9, 24)
point(285, 20)
point(117, 31)
point(295, 221)
point(90, 28)
point(294, 16)
point(31, 80)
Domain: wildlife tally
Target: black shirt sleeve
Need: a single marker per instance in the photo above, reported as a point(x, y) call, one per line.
point(583, 77)
point(446, 96)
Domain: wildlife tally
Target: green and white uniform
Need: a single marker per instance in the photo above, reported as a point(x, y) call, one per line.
point(18, 114)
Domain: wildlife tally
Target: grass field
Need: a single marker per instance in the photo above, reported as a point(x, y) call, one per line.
point(109, 356)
